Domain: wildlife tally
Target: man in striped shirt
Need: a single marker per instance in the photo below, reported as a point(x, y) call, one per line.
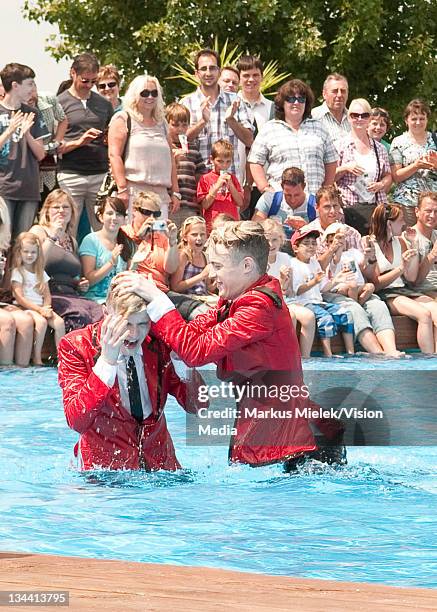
point(333, 113)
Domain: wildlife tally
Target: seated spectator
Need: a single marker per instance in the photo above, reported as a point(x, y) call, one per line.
point(62, 263)
point(280, 266)
point(31, 291)
point(219, 191)
point(105, 253)
point(22, 131)
point(308, 281)
point(293, 139)
point(291, 205)
point(379, 125)
point(56, 122)
point(363, 174)
point(16, 326)
point(140, 149)
point(347, 260)
point(425, 241)
point(373, 325)
point(158, 254)
point(108, 85)
point(413, 158)
point(189, 162)
point(192, 274)
point(396, 261)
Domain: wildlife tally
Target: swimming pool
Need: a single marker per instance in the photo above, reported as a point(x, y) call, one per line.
point(373, 521)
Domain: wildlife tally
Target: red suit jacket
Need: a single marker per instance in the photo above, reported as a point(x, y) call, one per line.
point(252, 341)
point(110, 437)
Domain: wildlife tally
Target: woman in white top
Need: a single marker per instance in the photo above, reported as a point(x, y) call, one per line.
point(396, 261)
point(363, 174)
point(142, 157)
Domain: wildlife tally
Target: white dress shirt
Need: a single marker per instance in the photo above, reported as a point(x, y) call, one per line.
point(108, 373)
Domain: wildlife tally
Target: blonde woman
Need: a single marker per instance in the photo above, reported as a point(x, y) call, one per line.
point(140, 149)
point(363, 174)
point(62, 263)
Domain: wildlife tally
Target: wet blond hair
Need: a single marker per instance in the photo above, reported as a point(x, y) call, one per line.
point(124, 305)
point(242, 239)
point(17, 258)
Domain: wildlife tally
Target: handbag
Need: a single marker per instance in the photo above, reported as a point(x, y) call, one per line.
point(109, 186)
point(49, 163)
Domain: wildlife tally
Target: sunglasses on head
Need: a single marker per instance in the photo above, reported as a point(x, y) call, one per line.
point(86, 81)
point(359, 115)
point(149, 92)
point(149, 213)
point(110, 85)
point(294, 99)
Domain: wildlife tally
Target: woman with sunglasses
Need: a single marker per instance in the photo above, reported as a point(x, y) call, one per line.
point(141, 154)
point(108, 85)
point(396, 261)
point(293, 138)
point(84, 161)
point(363, 173)
point(413, 158)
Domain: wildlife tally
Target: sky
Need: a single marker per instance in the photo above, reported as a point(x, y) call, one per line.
point(24, 41)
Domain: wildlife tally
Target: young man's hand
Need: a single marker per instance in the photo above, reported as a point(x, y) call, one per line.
point(132, 282)
point(113, 333)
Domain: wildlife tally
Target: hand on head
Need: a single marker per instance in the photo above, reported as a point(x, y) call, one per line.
point(133, 282)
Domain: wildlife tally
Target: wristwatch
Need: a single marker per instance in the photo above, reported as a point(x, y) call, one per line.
point(177, 195)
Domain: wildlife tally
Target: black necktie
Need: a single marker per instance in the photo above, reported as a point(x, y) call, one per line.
point(133, 388)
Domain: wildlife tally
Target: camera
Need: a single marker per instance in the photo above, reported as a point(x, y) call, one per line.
point(159, 226)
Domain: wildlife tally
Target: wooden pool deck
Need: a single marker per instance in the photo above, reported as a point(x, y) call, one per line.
point(100, 585)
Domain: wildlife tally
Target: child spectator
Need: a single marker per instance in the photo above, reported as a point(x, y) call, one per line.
point(308, 280)
point(347, 260)
point(219, 191)
point(280, 266)
point(189, 163)
point(192, 274)
point(31, 290)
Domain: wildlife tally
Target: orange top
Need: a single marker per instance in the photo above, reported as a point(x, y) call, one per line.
point(153, 249)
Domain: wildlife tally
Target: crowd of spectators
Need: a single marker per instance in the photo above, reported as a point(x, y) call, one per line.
point(351, 218)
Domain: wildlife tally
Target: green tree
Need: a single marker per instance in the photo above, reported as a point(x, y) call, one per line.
point(386, 48)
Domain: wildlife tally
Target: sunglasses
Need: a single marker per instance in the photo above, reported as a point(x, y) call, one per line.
point(110, 85)
point(86, 81)
point(149, 92)
point(359, 115)
point(206, 68)
point(149, 213)
point(294, 99)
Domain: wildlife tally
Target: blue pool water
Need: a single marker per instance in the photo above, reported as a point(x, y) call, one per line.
point(374, 520)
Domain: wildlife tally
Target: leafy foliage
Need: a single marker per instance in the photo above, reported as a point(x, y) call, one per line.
point(386, 48)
